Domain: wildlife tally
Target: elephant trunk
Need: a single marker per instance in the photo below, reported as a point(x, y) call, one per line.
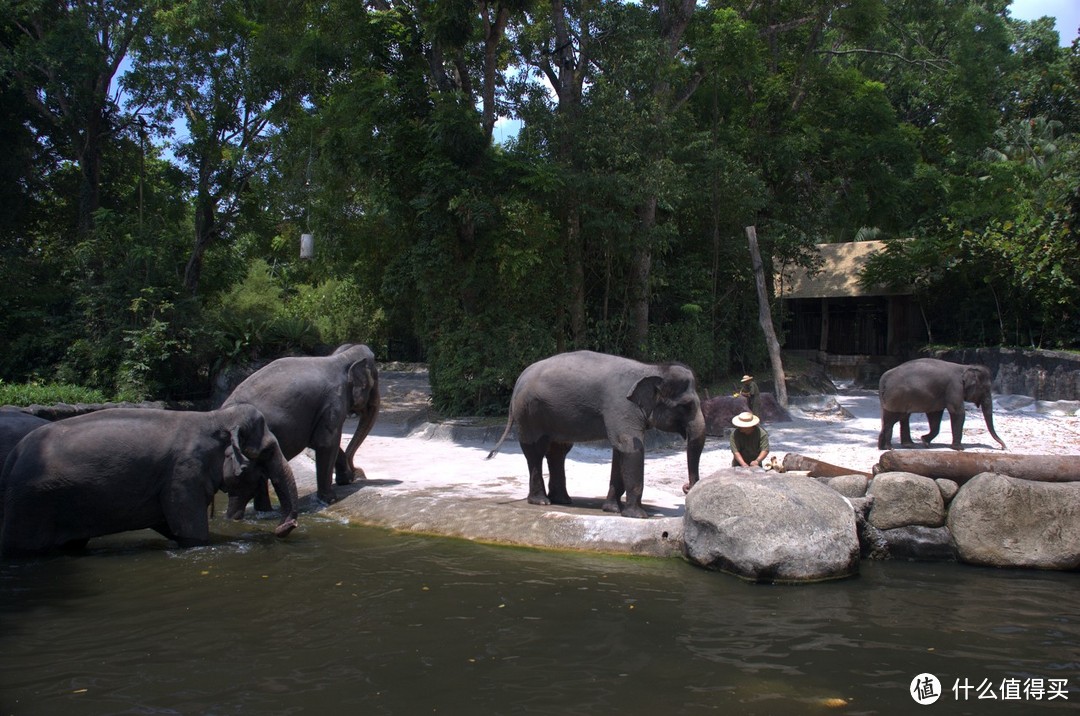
point(367, 421)
point(281, 476)
point(988, 416)
point(695, 444)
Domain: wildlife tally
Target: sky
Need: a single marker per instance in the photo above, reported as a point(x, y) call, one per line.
point(1065, 12)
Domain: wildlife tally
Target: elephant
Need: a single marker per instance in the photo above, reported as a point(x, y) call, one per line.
point(122, 469)
point(306, 401)
point(14, 426)
point(932, 386)
point(582, 395)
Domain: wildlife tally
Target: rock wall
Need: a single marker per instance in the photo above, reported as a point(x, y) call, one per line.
point(991, 520)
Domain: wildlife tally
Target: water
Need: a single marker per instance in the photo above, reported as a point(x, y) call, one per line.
point(340, 619)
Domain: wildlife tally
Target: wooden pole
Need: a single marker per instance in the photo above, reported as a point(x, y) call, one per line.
point(765, 318)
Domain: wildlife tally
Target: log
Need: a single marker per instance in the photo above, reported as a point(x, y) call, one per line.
point(817, 468)
point(962, 466)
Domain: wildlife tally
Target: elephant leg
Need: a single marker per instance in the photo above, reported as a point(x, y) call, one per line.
point(346, 473)
point(325, 458)
point(888, 420)
point(616, 488)
point(556, 460)
point(534, 455)
point(632, 463)
point(235, 509)
point(905, 430)
point(934, 421)
point(262, 496)
point(956, 417)
point(187, 519)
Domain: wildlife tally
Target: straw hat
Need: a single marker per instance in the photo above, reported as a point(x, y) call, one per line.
point(747, 378)
point(745, 420)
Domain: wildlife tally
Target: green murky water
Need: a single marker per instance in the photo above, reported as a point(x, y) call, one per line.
point(339, 619)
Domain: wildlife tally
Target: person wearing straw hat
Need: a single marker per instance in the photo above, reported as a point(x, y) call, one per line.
point(749, 441)
point(749, 390)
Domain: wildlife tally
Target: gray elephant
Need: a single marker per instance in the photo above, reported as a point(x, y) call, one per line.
point(306, 401)
point(14, 426)
point(932, 386)
point(571, 397)
point(127, 469)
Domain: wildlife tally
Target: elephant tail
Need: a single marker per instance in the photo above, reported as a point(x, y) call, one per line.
point(509, 424)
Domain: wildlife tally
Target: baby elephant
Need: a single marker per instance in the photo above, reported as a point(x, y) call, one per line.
point(129, 469)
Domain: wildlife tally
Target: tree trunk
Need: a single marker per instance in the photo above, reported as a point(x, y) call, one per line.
point(765, 318)
point(640, 271)
point(962, 466)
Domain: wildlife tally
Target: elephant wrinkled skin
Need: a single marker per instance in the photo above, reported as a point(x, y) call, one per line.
point(932, 386)
point(581, 396)
point(306, 401)
point(128, 469)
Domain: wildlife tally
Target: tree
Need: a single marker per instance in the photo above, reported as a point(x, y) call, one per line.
point(213, 67)
point(63, 57)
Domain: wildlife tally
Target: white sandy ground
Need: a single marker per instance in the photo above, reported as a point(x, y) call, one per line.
point(405, 455)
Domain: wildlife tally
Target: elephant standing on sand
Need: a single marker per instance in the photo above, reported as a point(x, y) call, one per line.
point(578, 396)
point(127, 469)
point(306, 401)
point(932, 386)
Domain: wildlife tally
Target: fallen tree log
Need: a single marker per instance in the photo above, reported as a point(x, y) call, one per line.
point(962, 466)
point(817, 468)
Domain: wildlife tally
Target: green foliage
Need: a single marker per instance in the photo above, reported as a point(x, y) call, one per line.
point(474, 365)
point(624, 198)
point(253, 320)
point(24, 394)
point(687, 340)
point(341, 312)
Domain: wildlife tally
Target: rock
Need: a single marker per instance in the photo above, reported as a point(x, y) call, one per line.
point(720, 410)
point(919, 543)
point(849, 485)
point(902, 498)
point(1002, 521)
point(770, 528)
point(948, 489)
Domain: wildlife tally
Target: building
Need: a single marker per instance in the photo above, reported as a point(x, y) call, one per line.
point(836, 321)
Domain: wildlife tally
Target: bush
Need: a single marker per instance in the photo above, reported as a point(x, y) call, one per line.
point(687, 340)
point(341, 311)
point(24, 394)
point(473, 369)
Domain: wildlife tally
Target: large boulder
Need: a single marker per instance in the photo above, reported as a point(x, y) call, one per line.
point(720, 410)
point(770, 528)
point(1002, 521)
point(903, 498)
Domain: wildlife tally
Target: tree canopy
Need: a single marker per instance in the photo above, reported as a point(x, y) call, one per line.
point(164, 158)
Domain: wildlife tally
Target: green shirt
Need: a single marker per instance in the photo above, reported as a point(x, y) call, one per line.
point(749, 445)
point(752, 394)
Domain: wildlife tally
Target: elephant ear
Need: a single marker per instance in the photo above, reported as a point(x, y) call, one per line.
point(361, 378)
point(235, 460)
point(975, 380)
point(645, 392)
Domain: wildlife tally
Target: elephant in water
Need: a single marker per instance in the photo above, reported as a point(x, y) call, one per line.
point(127, 469)
point(14, 426)
point(932, 386)
point(571, 397)
point(306, 401)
